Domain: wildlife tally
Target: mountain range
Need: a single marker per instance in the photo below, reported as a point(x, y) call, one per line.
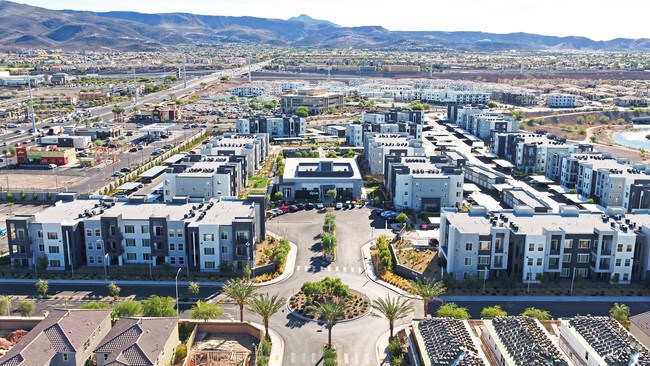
point(27, 27)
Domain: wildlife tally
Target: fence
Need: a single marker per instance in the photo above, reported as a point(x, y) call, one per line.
point(403, 270)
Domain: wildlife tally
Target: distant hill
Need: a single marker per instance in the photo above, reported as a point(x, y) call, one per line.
point(23, 26)
point(306, 18)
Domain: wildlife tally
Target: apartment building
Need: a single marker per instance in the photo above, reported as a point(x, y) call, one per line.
point(205, 177)
point(456, 112)
point(391, 122)
point(560, 100)
point(484, 177)
point(311, 178)
point(275, 126)
point(63, 338)
point(486, 125)
point(254, 147)
point(423, 183)
point(518, 98)
point(379, 145)
point(532, 153)
point(452, 96)
point(200, 236)
point(317, 101)
point(533, 246)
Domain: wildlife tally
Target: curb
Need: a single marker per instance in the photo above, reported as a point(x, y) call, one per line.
point(378, 350)
point(368, 267)
point(321, 321)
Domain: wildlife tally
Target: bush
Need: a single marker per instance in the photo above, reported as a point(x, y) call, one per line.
point(397, 361)
point(394, 348)
point(330, 362)
point(26, 308)
point(180, 353)
point(329, 353)
point(451, 310)
point(266, 347)
point(95, 305)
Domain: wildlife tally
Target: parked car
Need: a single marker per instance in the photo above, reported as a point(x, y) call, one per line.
point(300, 206)
point(309, 206)
point(125, 169)
point(424, 227)
point(118, 174)
point(293, 208)
point(338, 206)
point(168, 146)
point(284, 209)
point(348, 204)
point(186, 127)
point(140, 147)
point(133, 149)
point(319, 206)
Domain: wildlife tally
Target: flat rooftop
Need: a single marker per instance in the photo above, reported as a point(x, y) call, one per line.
point(326, 168)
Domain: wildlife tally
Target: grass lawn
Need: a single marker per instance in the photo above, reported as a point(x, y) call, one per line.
point(257, 182)
point(255, 192)
point(379, 194)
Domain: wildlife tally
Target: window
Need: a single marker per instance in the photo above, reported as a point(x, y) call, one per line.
point(242, 235)
point(208, 251)
point(553, 261)
point(144, 229)
point(619, 248)
point(583, 258)
point(626, 276)
point(224, 249)
point(240, 251)
point(581, 272)
point(157, 230)
point(179, 233)
point(172, 260)
point(53, 249)
point(566, 258)
point(146, 256)
point(181, 260)
point(540, 247)
point(130, 242)
point(105, 356)
point(131, 256)
point(568, 243)
point(484, 245)
point(180, 247)
point(531, 247)
point(171, 233)
point(224, 235)
point(628, 262)
point(89, 245)
point(629, 248)
point(89, 232)
point(98, 245)
point(146, 243)
point(565, 272)
point(86, 345)
point(91, 259)
point(98, 232)
point(468, 261)
point(55, 263)
point(483, 259)
point(468, 247)
point(171, 246)
point(41, 248)
point(539, 261)
point(554, 245)
point(39, 233)
point(530, 261)
point(50, 235)
point(208, 237)
point(129, 229)
point(618, 262)
point(208, 265)
point(100, 259)
point(65, 357)
point(584, 243)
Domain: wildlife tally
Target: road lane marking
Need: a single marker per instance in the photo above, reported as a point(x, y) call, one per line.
point(329, 269)
point(360, 270)
point(345, 358)
point(344, 269)
point(313, 358)
point(337, 269)
point(356, 358)
point(293, 357)
point(304, 358)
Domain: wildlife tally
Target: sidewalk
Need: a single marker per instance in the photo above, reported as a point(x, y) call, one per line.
point(382, 344)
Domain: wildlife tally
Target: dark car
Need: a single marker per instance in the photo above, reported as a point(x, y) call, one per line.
point(309, 206)
point(300, 206)
point(125, 169)
point(293, 208)
point(133, 149)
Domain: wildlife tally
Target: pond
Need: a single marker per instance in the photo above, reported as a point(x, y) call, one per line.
point(635, 138)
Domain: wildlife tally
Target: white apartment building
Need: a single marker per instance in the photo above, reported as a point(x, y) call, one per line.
point(377, 146)
point(560, 100)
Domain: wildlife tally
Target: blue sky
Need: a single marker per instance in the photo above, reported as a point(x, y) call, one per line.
point(595, 19)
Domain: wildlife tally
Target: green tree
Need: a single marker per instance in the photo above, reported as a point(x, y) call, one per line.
point(451, 310)
point(580, 119)
point(241, 292)
point(34, 196)
point(193, 289)
point(328, 311)
point(401, 218)
point(42, 262)
point(329, 242)
point(603, 119)
point(536, 313)
point(205, 311)
point(127, 309)
point(492, 311)
point(302, 112)
point(517, 115)
point(158, 307)
point(331, 194)
point(265, 306)
point(491, 105)
point(277, 196)
point(620, 312)
point(114, 289)
point(5, 305)
point(26, 308)
point(22, 195)
point(95, 305)
point(42, 287)
point(428, 290)
point(392, 309)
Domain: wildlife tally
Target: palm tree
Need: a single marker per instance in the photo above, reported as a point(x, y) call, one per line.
point(391, 309)
point(620, 312)
point(428, 290)
point(241, 292)
point(265, 307)
point(205, 311)
point(328, 311)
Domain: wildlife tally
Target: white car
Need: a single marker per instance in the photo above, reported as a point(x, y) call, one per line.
point(319, 206)
point(339, 205)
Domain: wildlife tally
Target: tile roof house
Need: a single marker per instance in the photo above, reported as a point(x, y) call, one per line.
point(640, 327)
point(64, 337)
point(139, 341)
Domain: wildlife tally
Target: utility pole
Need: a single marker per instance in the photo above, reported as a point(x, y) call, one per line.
point(135, 86)
point(184, 74)
point(31, 103)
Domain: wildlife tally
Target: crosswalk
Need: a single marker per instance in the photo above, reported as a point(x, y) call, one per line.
point(305, 358)
point(329, 268)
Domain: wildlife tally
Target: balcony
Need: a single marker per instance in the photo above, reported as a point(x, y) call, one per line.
point(114, 247)
point(22, 251)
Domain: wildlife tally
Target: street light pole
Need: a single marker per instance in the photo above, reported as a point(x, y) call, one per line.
point(179, 271)
point(31, 103)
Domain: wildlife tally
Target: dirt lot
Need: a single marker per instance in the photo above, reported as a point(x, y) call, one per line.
point(35, 181)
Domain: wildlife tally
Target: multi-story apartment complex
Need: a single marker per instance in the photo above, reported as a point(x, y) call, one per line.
point(532, 153)
point(560, 100)
point(455, 113)
point(379, 145)
point(393, 121)
point(533, 246)
point(423, 183)
point(478, 121)
point(520, 98)
point(200, 236)
point(311, 178)
point(254, 147)
point(452, 96)
point(275, 126)
point(205, 177)
point(317, 101)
